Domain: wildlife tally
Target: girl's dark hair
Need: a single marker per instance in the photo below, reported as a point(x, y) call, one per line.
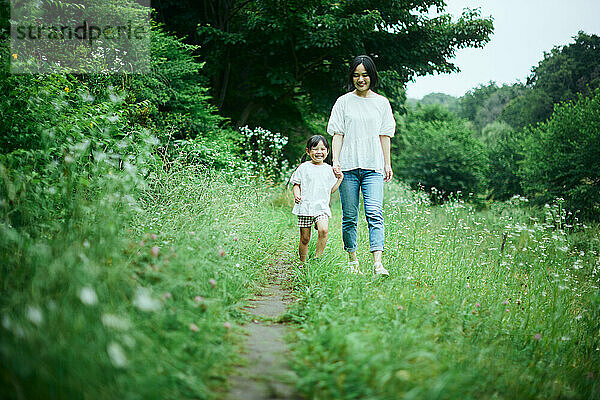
point(315, 140)
point(369, 66)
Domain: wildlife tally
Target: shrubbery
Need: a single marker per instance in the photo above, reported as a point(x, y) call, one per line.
point(438, 150)
point(562, 157)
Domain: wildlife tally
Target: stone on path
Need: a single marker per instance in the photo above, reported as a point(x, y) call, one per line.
point(266, 374)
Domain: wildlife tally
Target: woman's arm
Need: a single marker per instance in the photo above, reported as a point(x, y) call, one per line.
point(336, 148)
point(386, 144)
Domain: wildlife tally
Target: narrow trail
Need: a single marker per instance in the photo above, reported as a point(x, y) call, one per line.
point(265, 373)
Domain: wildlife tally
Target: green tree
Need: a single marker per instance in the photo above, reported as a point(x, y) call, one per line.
point(450, 102)
point(484, 104)
point(564, 72)
point(436, 149)
point(503, 147)
point(561, 157)
point(263, 55)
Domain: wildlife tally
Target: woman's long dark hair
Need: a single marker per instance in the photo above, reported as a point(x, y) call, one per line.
point(369, 66)
point(314, 141)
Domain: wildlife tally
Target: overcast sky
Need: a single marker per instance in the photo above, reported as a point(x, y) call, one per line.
point(523, 31)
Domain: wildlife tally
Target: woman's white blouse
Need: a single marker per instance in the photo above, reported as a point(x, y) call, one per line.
point(316, 182)
point(362, 120)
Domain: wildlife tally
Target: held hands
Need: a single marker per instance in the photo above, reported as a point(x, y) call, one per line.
point(297, 198)
point(337, 170)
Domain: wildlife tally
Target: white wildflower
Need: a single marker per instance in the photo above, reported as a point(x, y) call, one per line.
point(34, 314)
point(116, 354)
point(144, 301)
point(6, 322)
point(88, 296)
point(116, 322)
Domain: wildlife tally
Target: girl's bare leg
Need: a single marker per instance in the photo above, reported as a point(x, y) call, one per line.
point(303, 247)
point(323, 229)
point(352, 256)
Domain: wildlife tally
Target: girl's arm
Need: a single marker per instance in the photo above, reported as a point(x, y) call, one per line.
point(336, 145)
point(386, 144)
point(296, 191)
point(337, 184)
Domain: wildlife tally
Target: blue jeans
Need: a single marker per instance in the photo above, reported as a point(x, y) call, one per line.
point(371, 185)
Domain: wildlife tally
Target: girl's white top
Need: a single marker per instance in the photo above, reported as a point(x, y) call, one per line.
point(316, 182)
point(362, 120)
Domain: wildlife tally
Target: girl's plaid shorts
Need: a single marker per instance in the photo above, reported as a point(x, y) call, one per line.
point(305, 221)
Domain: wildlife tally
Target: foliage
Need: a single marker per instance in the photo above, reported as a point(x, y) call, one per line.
point(264, 56)
point(485, 104)
point(564, 72)
point(478, 305)
point(262, 151)
point(450, 102)
point(438, 151)
point(561, 157)
point(504, 155)
point(130, 300)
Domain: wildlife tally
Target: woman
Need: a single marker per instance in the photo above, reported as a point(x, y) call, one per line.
point(362, 125)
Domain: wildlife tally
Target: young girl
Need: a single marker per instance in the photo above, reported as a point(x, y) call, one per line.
point(314, 182)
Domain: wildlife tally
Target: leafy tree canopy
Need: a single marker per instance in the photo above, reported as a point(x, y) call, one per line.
point(263, 55)
point(564, 72)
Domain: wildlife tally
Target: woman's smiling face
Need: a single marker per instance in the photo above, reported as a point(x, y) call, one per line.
point(361, 79)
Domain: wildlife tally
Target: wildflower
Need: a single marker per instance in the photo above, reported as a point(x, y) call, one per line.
point(154, 236)
point(35, 315)
point(400, 308)
point(114, 321)
point(86, 244)
point(194, 327)
point(227, 325)
point(192, 233)
point(88, 296)
point(537, 336)
point(198, 299)
point(67, 90)
point(116, 355)
point(154, 251)
point(6, 322)
point(235, 238)
point(477, 305)
point(15, 56)
point(221, 252)
point(507, 310)
point(144, 301)
point(468, 286)
point(505, 302)
point(212, 282)
point(167, 295)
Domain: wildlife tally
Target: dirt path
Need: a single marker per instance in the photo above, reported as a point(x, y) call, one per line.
point(265, 373)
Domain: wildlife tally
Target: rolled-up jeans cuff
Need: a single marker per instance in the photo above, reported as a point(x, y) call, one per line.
point(350, 250)
point(376, 249)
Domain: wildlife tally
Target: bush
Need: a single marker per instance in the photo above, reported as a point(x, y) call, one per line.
point(439, 151)
point(561, 157)
point(503, 156)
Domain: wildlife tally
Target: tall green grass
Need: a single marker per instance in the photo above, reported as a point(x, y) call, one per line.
point(137, 294)
point(500, 304)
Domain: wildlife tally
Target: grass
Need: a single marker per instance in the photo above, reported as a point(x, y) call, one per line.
point(141, 299)
point(493, 305)
point(136, 303)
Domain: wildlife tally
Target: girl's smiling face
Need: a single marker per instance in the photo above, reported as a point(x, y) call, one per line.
point(361, 79)
point(317, 153)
